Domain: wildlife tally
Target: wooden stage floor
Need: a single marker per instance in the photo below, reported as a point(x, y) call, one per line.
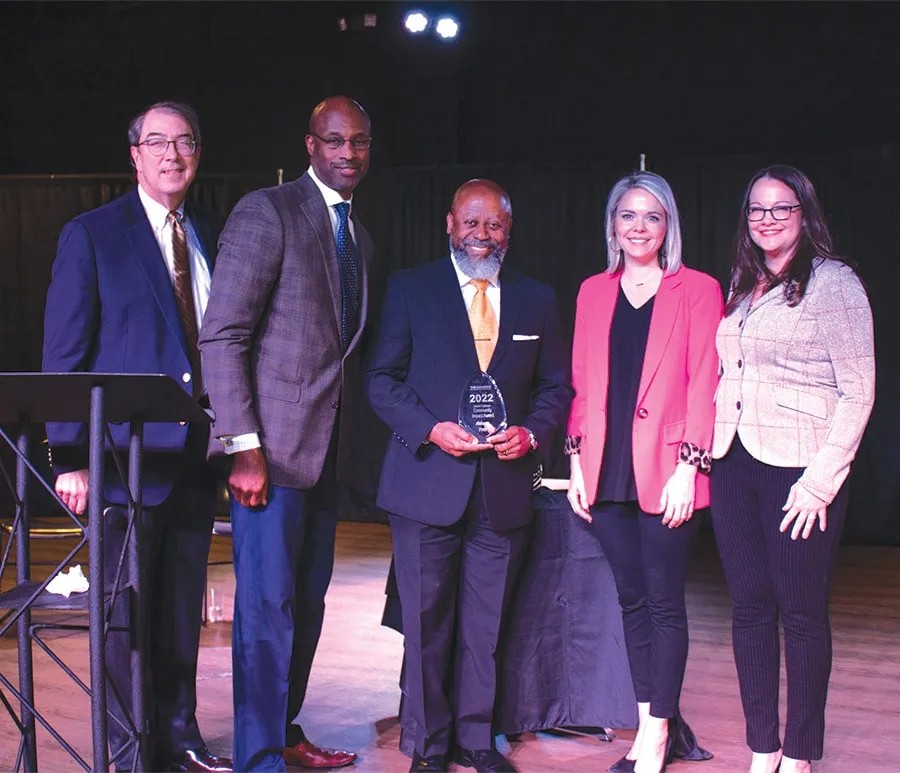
point(353, 695)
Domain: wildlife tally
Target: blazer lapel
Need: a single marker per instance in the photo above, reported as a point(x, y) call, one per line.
point(316, 213)
point(364, 260)
point(511, 300)
point(148, 256)
point(600, 319)
point(202, 228)
point(449, 298)
point(665, 312)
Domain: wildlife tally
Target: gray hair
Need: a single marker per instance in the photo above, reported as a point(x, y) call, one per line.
point(136, 126)
point(670, 254)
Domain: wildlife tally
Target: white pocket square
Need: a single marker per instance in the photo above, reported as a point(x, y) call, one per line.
point(519, 337)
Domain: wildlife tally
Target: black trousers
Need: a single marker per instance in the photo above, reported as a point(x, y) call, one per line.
point(175, 541)
point(649, 562)
point(773, 579)
point(454, 584)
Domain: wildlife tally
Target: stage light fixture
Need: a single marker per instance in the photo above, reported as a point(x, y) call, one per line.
point(447, 27)
point(416, 22)
point(358, 22)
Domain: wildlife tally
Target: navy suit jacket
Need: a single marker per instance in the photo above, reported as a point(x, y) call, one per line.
point(417, 367)
point(111, 309)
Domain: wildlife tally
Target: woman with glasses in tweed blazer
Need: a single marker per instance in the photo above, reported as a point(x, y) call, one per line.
point(797, 385)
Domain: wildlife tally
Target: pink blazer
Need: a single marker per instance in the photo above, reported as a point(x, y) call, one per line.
point(675, 397)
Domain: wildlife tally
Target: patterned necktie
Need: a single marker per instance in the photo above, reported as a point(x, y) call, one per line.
point(184, 297)
point(483, 322)
point(348, 262)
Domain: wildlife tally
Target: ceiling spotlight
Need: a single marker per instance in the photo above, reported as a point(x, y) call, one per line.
point(447, 27)
point(416, 22)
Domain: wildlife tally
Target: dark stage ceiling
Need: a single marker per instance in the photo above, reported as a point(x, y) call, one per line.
point(526, 83)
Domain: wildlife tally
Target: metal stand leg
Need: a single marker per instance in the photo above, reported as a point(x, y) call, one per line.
point(97, 581)
point(23, 627)
point(136, 577)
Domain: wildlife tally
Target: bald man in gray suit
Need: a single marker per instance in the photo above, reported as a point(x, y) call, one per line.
point(280, 343)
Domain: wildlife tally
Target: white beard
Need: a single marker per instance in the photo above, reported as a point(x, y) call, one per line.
point(478, 268)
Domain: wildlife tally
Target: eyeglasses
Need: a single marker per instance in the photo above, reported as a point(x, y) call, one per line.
point(158, 145)
point(781, 212)
point(336, 143)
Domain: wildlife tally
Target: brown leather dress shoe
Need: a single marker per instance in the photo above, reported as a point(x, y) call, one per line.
point(308, 755)
point(201, 760)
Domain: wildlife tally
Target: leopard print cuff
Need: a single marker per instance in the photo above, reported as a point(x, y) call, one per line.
point(573, 445)
point(691, 454)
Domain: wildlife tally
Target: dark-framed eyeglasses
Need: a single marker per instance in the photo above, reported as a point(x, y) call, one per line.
point(779, 212)
point(336, 143)
point(157, 146)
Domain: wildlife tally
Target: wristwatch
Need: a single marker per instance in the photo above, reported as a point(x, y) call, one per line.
point(532, 440)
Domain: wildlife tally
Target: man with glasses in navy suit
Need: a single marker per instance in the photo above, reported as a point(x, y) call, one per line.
point(129, 287)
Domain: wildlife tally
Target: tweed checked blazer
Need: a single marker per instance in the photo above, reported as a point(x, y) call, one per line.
point(798, 383)
point(271, 336)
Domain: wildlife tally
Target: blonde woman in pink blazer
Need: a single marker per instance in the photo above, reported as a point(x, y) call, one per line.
point(644, 368)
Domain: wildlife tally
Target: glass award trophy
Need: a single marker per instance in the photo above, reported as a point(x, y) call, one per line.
point(482, 412)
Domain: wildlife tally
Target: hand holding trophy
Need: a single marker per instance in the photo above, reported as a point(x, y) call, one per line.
point(482, 411)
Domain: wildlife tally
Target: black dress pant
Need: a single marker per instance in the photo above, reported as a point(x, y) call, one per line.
point(454, 583)
point(649, 563)
point(175, 539)
point(773, 578)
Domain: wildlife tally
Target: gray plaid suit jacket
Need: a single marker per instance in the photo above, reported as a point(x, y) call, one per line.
point(271, 336)
point(798, 383)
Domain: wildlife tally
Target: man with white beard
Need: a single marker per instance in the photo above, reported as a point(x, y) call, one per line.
point(460, 505)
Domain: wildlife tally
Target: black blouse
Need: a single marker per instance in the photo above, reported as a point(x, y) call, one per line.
point(627, 345)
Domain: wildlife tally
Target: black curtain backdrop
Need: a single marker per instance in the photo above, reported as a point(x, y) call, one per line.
point(557, 237)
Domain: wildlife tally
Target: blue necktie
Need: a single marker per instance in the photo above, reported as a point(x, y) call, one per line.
point(348, 262)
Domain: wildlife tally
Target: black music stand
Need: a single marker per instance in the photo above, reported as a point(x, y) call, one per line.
point(94, 398)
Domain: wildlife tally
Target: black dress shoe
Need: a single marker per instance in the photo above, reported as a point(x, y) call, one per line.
point(623, 765)
point(201, 760)
point(436, 762)
point(484, 760)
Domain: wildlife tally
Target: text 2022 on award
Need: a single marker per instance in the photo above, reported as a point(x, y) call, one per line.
point(482, 411)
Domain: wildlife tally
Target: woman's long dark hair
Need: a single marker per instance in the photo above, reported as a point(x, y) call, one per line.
point(749, 265)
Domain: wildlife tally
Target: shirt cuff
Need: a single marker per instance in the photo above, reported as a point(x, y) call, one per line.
point(246, 442)
point(691, 454)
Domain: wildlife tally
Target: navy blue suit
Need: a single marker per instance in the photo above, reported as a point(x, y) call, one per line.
point(111, 308)
point(457, 522)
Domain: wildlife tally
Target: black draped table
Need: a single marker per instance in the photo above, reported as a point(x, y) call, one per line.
point(563, 658)
point(562, 654)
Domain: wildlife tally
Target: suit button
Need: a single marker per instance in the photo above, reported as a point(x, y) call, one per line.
point(740, 363)
point(336, 404)
point(739, 405)
point(186, 377)
point(642, 413)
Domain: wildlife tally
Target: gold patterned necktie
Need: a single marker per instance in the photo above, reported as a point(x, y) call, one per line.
point(483, 322)
point(184, 297)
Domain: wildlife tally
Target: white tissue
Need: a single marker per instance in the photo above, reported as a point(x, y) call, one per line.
point(67, 583)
